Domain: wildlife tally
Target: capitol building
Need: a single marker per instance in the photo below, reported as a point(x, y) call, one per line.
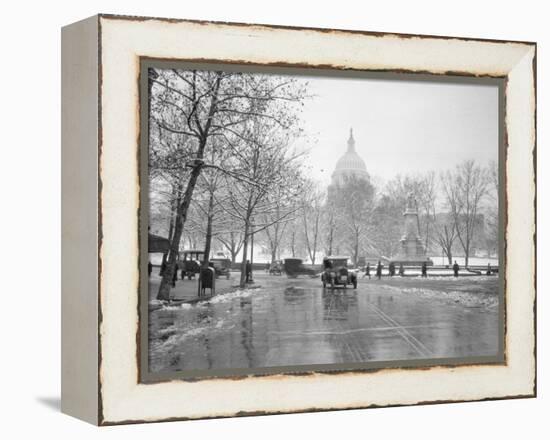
point(350, 164)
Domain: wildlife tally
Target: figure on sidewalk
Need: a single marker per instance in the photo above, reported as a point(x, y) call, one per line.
point(424, 270)
point(175, 276)
point(401, 270)
point(248, 271)
point(379, 270)
point(150, 269)
point(456, 268)
point(367, 271)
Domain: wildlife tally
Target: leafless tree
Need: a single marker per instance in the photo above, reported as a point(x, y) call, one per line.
point(354, 199)
point(465, 188)
point(199, 105)
point(270, 174)
point(312, 210)
point(446, 234)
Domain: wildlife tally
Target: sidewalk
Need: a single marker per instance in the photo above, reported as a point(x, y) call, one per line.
point(187, 290)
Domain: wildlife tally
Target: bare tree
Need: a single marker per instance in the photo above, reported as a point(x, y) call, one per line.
point(446, 234)
point(491, 209)
point(312, 210)
point(465, 189)
point(355, 201)
point(330, 222)
point(268, 167)
point(198, 105)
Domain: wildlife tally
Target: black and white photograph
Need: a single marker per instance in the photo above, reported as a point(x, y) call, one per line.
point(311, 220)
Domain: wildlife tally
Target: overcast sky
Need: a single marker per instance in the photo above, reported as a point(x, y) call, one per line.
point(400, 126)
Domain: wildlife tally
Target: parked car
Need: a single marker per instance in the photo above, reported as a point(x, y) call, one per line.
point(295, 267)
point(276, 268)
point(222, 266)
point(190, 262)
point(337, 273)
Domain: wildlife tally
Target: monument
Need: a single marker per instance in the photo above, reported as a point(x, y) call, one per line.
point(412, 251)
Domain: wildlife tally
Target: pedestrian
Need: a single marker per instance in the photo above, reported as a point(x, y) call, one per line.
point(401, 270)
point(392, 269)
point(175, 275)
point(367, 271)
point(248, 271)
point(489, 271)
point(456, 268)
point(162, 268)
point(326, 263)
point(424, 270)
point(379, 270)
point(150, 268)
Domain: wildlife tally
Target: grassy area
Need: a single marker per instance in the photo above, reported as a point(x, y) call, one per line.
point(479, 291)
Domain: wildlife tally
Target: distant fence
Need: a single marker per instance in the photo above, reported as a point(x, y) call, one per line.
point(318, 267)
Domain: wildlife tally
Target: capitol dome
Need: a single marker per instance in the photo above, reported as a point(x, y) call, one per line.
point(350, 164)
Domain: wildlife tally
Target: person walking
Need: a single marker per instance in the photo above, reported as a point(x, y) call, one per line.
point(391, 268)
point(175, 276)
point(424, 270)
point(248, 271)
point(150, 268)
point(456, 268)
point(401, 270)
point(367, 271)
point(379, 270)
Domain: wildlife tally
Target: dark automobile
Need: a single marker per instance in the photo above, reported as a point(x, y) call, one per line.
point(190, 263)
point(222, 267)
point(295, 267)
point(275, 268)
point(336, 273)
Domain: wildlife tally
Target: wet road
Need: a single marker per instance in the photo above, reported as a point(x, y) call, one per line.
point(297, 322)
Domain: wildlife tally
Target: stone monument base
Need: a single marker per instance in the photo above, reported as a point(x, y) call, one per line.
point(412, 253)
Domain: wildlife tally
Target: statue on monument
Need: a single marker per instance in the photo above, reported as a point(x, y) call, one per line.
point(411, 202)
point(412, 250)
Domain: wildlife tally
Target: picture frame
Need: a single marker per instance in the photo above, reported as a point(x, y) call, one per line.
point(103, 271)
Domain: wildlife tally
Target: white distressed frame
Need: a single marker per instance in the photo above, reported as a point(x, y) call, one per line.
point(122, 41)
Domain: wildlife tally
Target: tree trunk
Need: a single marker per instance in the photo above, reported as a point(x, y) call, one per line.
point(176, 190)
point(449, 254)
point(242, 282)
point(330, 237)
point(181, 217)
point(208, 240)
point(356, 250)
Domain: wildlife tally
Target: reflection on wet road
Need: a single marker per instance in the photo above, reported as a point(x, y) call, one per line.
point(297, 322)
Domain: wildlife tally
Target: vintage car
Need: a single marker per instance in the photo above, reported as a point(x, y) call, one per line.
point(336, 272)
point(295, 266)
point(189, 262)
point(276, 268)
point(222, 266)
